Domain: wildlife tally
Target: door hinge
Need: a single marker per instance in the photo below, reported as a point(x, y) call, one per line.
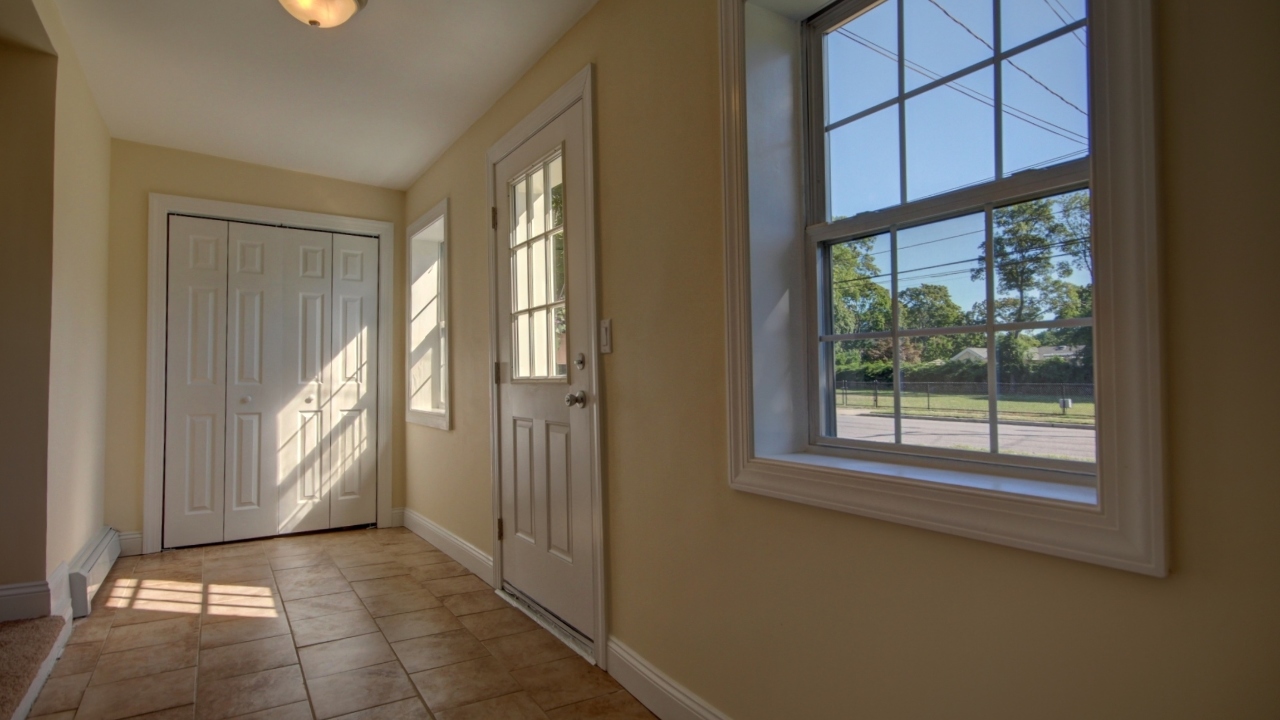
point(495, 217)
point(499, 529)
point(497, 373)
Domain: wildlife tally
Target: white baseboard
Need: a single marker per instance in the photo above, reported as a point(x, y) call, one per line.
point(90, 567)
point(60, 592)
point(665, 697)
point(19, 601)
point(46, 667)
point(468, 555)
point(130, 544)
point(397, 517)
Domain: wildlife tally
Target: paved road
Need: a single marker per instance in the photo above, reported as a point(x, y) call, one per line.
point(1042, 440)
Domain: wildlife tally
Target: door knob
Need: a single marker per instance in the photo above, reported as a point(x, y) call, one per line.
point(579, 398)
point(310, 399)
point(246, 399)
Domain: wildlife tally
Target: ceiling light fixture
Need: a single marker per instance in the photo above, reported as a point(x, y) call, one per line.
point(323, 13)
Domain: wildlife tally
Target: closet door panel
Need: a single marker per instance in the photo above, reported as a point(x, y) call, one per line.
point(254, 378)
point(353, 393)
point(195, 384)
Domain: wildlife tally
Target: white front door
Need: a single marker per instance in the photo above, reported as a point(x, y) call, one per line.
point(271, 405)
point(546, 369)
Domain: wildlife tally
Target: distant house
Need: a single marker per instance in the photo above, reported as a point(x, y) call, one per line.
point(979, 354)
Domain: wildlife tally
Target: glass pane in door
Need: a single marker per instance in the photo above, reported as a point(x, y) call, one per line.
point(539, 315)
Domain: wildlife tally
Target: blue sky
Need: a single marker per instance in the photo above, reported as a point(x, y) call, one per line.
point(950, 130)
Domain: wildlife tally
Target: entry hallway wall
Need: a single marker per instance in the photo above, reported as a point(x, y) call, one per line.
point(138, 170)
point(769, 609)
point(78, 345)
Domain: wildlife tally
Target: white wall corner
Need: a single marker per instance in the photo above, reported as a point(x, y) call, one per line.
point(466, 554)
point(397, 517)
point(90, 567)
point(130, 544)
point(665, 697)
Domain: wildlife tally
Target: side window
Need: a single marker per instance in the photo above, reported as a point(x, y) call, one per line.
point(427, 370)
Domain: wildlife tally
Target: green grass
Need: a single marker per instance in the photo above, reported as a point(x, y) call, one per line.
point(1023, 408)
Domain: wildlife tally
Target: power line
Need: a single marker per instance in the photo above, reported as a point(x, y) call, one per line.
point(1063, 20)
point(1033, 78)
point(1069, 242)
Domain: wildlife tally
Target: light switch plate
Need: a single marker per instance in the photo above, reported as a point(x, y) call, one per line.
point(606, 337)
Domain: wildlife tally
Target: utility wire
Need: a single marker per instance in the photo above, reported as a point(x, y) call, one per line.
point(1064, 21)
point(1033, 78)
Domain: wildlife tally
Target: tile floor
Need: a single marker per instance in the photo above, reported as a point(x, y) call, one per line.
point(358, 625)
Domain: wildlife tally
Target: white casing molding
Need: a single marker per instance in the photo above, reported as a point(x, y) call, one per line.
point(665, 697)
point(161, 206)
point(130, 544)
point(46, 668)
point(90, 567)
point(466, 554)
point(397, 517)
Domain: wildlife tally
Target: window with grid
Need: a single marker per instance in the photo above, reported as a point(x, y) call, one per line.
point(539, 322)
point(951, 230)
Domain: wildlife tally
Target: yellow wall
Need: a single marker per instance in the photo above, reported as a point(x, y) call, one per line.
point(78, 355)
point(28, 83)
point(770, 609)
point(136, 171)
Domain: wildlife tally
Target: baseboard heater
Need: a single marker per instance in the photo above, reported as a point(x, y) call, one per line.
point(90, 567)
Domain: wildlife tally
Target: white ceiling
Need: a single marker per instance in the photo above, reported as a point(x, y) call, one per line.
point(373, 101)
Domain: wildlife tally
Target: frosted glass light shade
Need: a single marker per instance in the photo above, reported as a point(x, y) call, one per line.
point(323, 13)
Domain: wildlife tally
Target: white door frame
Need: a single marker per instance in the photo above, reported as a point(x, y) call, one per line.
point(579, 88)
point(157, 308)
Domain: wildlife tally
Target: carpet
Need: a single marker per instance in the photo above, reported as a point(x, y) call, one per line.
point(24, 645)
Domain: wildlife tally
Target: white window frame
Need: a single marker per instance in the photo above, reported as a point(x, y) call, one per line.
point(440, 419)
point(1120, 522)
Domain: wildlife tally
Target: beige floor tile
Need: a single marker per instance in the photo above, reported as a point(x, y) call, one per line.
point(322, 605)
point(517, 706)
point(418, 623)
point(160, 632)
point(496, 623)
point(242, 630)
point(225, 551)
point(90, 630)
point(241, 602)
point(64, 715)
point(293, 711)
point(422, 559)
point(144, 610)
point(243, 694)
point(354, 690)
point(247, 658)
point(286, 547)
point(457, 585)
point(306, 582)
point(307, 559)
point(396, 603)
point(564, 682)
point(249, 571)
point(59, 694)
point(411, 547)
point(350, 653)
point(410, 709)
point(182, 712)
point(373, 572)
point(150, 660)
point(77, 659)
point(227, 562)
point(433, 651)
point(177, 579)
point(618, 706)
point(333, 627)
point(385, 586)
point(439, 571)
point(464, 683)
point(527, 649)
point(474, 602)
point(358, 559)
point(138, 695)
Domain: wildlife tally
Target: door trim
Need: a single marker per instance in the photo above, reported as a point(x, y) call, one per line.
point(161, 206)
point(577, 89)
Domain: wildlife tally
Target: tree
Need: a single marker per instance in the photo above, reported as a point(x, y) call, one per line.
point(1029, 238)
point(859, 303)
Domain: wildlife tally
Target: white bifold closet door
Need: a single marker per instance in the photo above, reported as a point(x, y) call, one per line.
point(271, 391)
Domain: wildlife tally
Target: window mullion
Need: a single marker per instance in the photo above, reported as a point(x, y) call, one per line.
point(993, 401)
point(998, 94)
point(902, 117)
point(897, 347)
